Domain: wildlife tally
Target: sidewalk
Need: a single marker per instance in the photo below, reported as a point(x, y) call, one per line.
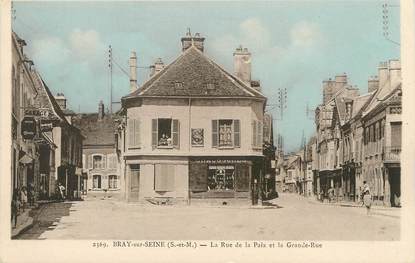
point(375, 210)
point(24, 222)
point(25, 219)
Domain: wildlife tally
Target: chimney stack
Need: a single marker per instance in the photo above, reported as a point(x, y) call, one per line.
point(328, 90)
point(372, 83)
point(157, 67)
point(189, 40)
point(395, 73)
point(61, 100)
point(101, 110)
point(133, 71)
point(383, 73)
point(341, 81)
point(242, 64)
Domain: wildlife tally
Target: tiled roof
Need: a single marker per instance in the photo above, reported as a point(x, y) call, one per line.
point(359, 103)
point(96, 131)
point(189, 75)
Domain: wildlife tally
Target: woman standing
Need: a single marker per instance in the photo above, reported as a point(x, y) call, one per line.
point(15, 207)
point(367, 197)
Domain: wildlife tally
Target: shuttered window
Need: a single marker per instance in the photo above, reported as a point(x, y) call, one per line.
point(175, 133)
point(89, 161)
point(237, 133)
point(226, 133)
point(257, 134)
point(164, 177)
point(396, 134)
point(134, 133)
point(154, 133)
point(214, 133)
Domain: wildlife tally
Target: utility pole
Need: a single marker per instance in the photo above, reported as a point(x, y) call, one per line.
point(385, 22)
point(110, 74)
point(282, 101)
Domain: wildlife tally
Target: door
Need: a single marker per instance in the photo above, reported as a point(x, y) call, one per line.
point(134, 186)
point(395, 186)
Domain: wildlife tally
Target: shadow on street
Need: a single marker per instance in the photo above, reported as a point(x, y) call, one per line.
point(46, 219)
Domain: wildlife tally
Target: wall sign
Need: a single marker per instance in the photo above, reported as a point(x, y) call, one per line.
point(197, 137)
point(28, 128)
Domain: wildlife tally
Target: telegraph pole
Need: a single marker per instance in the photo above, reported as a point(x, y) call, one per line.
point(282, 101)
point(385, 22)
point(110, 74)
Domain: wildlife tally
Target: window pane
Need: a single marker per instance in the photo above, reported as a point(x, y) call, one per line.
point(135, 176)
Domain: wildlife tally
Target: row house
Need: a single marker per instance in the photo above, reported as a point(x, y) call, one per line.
point(329, 119)
point(193, 130)
point(382, 134)
point(101, 169)
point(45, 146)
point(359, 138)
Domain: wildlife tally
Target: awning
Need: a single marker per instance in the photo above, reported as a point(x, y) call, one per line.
point(26, 159)
point(48, 137)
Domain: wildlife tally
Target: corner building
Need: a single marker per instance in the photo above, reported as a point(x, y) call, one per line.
point(193, 130)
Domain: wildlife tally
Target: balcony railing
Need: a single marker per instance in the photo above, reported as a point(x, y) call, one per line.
point(392, 154)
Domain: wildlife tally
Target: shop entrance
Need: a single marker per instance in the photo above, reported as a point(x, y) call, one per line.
point(395, 186)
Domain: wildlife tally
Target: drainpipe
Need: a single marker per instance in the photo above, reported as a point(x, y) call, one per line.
point(190, 142)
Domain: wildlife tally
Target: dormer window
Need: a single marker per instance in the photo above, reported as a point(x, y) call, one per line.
point(178, 86)
point(210, 86)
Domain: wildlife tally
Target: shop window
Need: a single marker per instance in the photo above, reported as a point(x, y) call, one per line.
point(396, 135)
point(164, 177)
point(112, 182)
point(165, 133)
point(226, 133)
point(221, 177)
point(96, 181)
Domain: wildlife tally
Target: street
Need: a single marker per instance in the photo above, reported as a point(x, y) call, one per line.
point(297, 219)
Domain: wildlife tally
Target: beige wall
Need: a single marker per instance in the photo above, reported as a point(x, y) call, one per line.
point(199, 115)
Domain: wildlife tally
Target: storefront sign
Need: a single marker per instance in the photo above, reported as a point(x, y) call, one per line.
point(220, 161)
point(36, 112)
point(45, 127)
point(28, 128)
point(221, 167)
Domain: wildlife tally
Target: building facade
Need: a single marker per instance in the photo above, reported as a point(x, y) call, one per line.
point(101, 167)
point(359, 138)
point(46, 147)
point(193, 130)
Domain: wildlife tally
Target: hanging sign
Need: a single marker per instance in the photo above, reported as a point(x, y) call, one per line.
point(28, 128)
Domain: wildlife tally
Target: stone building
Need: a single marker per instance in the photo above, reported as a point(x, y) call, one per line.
point(382, 129)
point(330, 116)
point(46, 147)
point(359, 138)
point(100, 161)
point(193, 130)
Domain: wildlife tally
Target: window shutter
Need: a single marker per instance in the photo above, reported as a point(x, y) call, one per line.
point(104, 161)
point(154, 134)
point(396, 134)
point(90, 161)
point(176, 133)
point(130, 124)
point(164, 177)
point(214, 133)
point(254, 134)
point(260, 130)
point(237, 133)
point(137, 139)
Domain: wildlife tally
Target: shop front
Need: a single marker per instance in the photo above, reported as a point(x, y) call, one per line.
point(222, 177)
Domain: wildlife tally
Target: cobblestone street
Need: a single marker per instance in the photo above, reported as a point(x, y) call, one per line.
point(297, 219)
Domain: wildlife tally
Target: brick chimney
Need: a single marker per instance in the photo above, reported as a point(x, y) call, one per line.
point(197, 40)
point(242, 64)
point(395, 73)
point(133, 71)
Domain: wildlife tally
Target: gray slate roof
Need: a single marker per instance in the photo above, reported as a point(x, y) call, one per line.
point(194, 70)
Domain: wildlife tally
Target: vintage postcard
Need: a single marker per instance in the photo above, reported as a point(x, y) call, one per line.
point(200, 131)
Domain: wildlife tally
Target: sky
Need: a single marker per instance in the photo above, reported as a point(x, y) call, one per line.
point(294, 45)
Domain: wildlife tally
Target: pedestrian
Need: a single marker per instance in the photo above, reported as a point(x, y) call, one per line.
point(31, 194)
point(23, 197)
point(367, 197)
point(61, 189)
point(15, 207)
